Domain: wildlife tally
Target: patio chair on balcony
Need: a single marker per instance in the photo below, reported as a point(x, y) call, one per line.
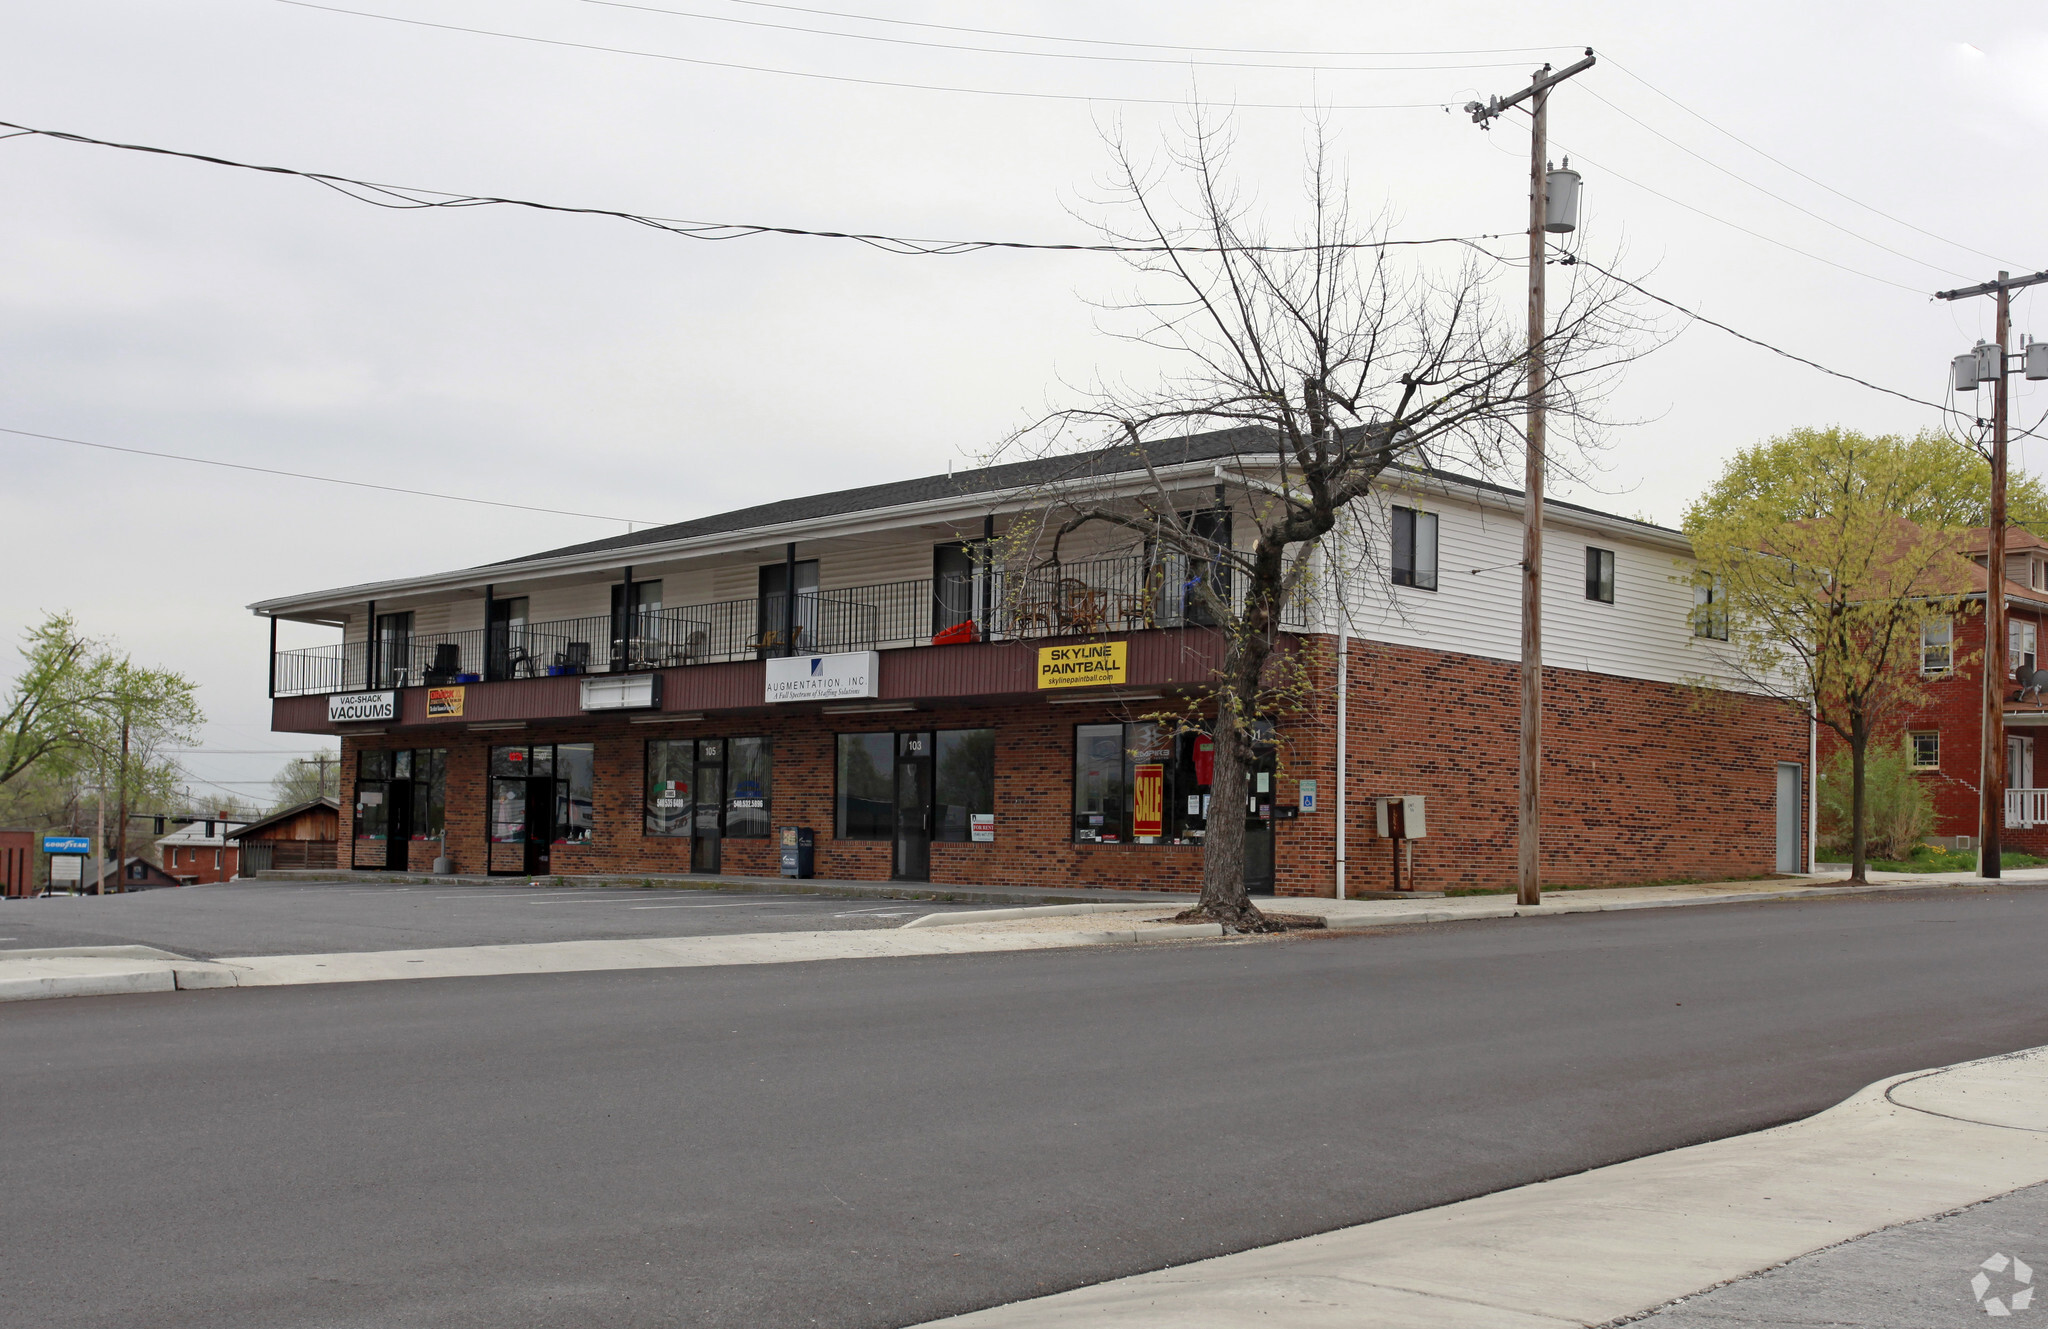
point(519, 663)
point(1081, 607)
point(574, 658)
point(447, 664)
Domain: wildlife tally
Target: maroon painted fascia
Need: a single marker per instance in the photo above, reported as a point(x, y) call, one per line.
point(1177, 657)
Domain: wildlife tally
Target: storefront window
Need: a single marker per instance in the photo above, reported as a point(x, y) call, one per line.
point(511, 761)
point(373, 813)
point(508, 805)
point(750, 785)
point(964, 783)
point(865, 803)
point(1100, 801)
point(575, 769)
point(668, 785)
point(1141, 784)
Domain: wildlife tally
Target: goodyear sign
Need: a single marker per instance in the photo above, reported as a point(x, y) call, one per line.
point(1081, 666)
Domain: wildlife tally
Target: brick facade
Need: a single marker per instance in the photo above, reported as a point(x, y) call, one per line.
point(1954, 711)
point(1642, 782)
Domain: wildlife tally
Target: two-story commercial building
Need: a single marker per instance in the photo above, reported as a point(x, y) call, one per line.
point(882, 666)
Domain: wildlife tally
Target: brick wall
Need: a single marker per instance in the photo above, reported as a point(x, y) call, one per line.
point(1641, 783)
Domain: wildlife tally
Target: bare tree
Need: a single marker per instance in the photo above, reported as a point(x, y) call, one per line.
point(1337, 355)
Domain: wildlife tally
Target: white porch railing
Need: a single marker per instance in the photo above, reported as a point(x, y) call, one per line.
point(2026, 808)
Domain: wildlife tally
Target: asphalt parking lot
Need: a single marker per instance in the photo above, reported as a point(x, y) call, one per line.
point(305, 918)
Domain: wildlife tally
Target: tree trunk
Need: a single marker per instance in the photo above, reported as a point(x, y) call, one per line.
point(1224, 898)
point(1859, 813)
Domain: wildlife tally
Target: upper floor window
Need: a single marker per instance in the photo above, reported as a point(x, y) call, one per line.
point(2021, 640)
point(1937, 646)
point(1600, 575)
point(1709, 608)
point(791, 622)
point(1415, 549)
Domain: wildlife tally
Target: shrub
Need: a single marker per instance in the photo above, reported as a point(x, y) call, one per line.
point(1899, 808)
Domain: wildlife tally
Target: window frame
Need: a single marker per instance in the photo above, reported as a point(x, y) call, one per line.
point(1709, 608)
point(1412, 532)
point(1946, 646)
point(2022, 643)
point(1928, 740)
point(1600, 575)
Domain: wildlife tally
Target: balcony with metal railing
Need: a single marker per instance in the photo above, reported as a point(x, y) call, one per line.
point(1057, 600)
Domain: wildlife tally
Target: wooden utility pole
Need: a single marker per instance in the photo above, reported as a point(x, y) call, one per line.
point(121, 804)
point(1991, 722)
point(1529, 821)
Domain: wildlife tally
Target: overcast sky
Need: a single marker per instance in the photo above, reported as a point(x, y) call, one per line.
point(588, 364)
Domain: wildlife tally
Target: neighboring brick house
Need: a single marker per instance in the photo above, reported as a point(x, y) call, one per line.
point(664, 701)
point(201, 852)
point(1945, 735)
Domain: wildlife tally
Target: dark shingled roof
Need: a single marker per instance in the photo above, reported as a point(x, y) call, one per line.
point(1116, 459)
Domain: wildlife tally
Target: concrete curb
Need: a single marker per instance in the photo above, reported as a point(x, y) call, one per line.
point(107, 981)
point(849, 890)
point(1037, 911)
point(1605, 1246)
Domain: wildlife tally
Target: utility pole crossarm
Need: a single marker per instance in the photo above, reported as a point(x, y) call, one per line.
point(1992, 287)
point(1481, 112)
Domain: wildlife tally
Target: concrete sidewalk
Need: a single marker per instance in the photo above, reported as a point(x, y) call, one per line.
point(1616, 1242)
point(852, 890)
point(98, 971)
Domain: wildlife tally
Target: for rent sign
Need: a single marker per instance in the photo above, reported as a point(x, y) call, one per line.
point(1081, 666)
point(343, 707)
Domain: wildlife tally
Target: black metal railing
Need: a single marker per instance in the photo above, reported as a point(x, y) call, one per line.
point(1066, 599)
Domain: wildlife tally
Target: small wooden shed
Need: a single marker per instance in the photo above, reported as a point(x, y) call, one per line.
point(298, 837)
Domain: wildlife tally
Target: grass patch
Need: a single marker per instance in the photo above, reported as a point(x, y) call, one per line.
point(1621, 885)
point(1928, 858)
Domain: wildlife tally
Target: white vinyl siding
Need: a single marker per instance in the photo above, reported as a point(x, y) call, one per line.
point(1646, 633)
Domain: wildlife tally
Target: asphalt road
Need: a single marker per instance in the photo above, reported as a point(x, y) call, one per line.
point(883, 1142)
point(305, 918)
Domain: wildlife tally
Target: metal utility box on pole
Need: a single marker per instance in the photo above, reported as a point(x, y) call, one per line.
point(1991, 724)
point(1529, 822)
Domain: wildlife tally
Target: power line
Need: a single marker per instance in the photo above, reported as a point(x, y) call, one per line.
point(1142, 46)
point(1036, 55)
point(1716, 217)
point(843, 78)
point(1899, 253)
point(1755, 341)
point(413, 196)
point(323, 479)
point(1803, 175)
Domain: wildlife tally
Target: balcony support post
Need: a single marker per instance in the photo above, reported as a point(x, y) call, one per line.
point(789, 599)
point(273, 656)
point(490, 669)
point(369, 652)
point(988, 574)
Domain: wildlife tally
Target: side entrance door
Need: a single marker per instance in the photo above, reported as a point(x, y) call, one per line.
point(1258, 825)
point(913, 856)
point(707, 842)
point(1791, 816)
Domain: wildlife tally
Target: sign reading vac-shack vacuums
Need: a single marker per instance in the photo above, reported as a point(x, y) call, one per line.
point(824, 677)
point(343, 707)
point(1081, 666)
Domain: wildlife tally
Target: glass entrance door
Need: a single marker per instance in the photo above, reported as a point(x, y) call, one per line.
point(708, 827)
point(1258, 825)
point(540, 825)
point(913, 857)
point(398, 822)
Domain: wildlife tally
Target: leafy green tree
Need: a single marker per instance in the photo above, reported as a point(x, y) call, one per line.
point(80, 710)
point(1952, 489)
point(1822, 552)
